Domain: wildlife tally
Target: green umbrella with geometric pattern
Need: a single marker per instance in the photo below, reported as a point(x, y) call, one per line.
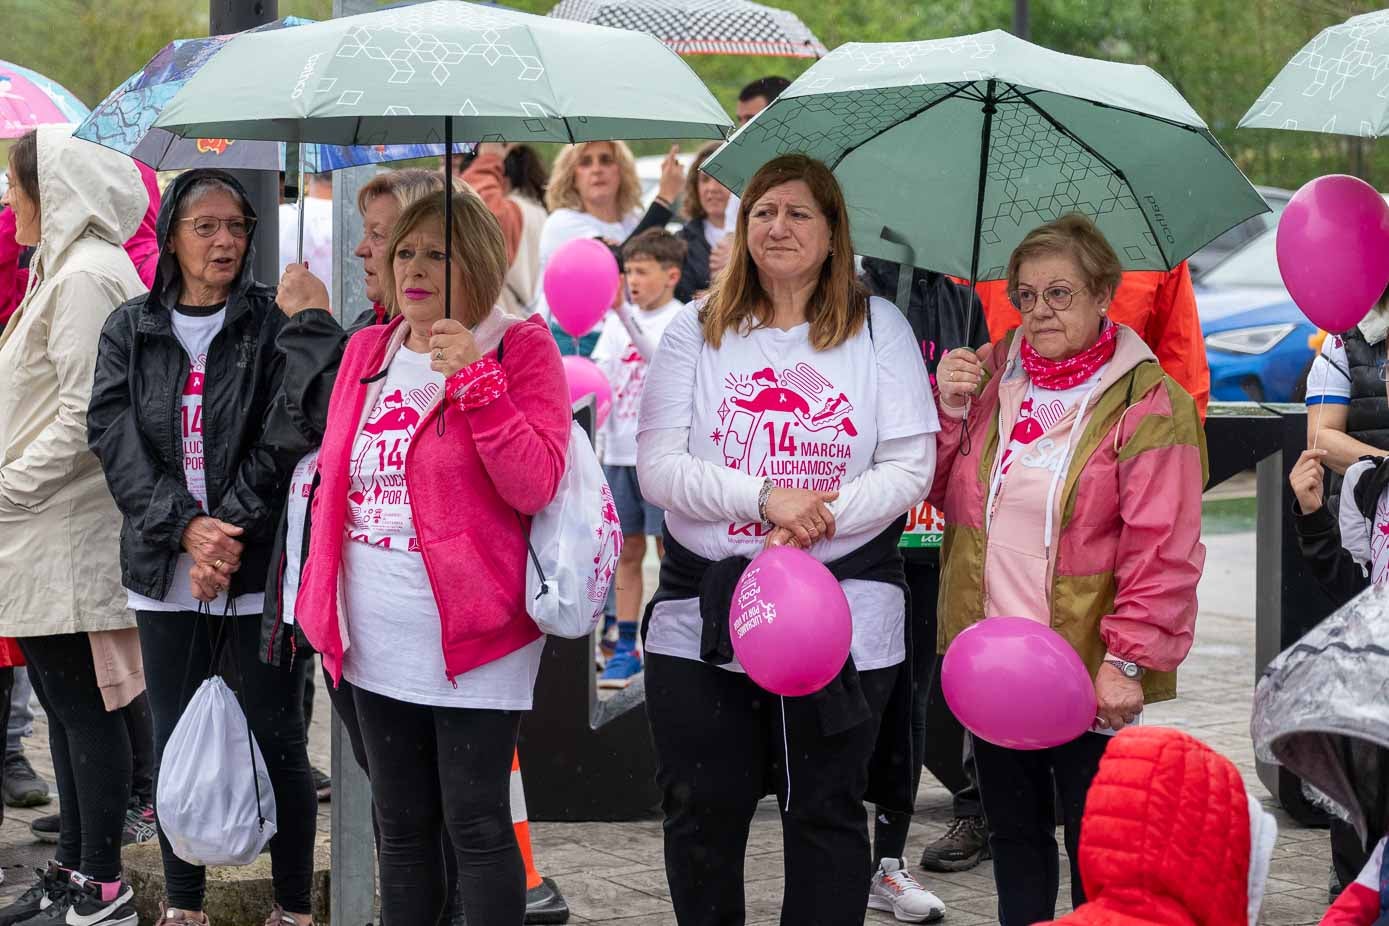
point(950, 151)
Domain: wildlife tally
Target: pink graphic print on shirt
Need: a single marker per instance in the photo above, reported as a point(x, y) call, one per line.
point(191, 420)
point(627, 382)
point(378, 497)
point(1034, 420)
point(789, 426)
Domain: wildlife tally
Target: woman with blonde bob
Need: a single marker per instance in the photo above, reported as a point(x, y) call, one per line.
point(789, 408)
point(594, 192)
point(444, 436)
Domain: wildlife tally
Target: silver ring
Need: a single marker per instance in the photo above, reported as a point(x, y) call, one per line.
point(1101, 722)
point(439, 356)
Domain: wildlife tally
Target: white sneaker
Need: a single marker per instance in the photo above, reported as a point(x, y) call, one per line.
point(894, 889)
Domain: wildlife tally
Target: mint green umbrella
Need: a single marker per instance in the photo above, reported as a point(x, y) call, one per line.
point(950, 151)
point(1337, 83)
point(393, 76)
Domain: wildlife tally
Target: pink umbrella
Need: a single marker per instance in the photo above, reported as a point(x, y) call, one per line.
point(28, 100)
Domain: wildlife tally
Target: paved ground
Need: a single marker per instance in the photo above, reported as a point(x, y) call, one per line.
point(613, 873)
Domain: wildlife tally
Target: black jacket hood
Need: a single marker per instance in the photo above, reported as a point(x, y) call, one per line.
point(167, 275)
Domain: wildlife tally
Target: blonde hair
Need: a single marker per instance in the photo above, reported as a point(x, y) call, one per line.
point(479, 251)
point(563, 191)
point(839, 305)
point(406, 185)
point(1076, 236)
point(692, 207)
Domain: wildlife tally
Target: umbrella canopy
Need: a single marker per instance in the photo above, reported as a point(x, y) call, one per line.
point(125, 120)
point(29, 100)
point(1322, 711)
point(1337, 83)
point(950, 151)
point(703, 27)
point(394, 75)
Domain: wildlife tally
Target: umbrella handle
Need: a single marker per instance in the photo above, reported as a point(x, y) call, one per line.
point(448, 240)
point(303, 187)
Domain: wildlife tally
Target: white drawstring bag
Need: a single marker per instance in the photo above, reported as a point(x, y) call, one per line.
point(574, 545)
point(215, 801)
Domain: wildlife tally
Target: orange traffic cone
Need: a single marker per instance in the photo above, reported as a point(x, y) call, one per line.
point(544, 902)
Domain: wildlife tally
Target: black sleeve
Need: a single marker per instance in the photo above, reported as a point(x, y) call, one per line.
point(156, 503)
point(252, 500)
point(979, 325)
point(657, 216)
point(1319, 539)
point(312, 344)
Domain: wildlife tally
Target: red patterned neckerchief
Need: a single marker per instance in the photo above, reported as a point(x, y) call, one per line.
point(1060, 375)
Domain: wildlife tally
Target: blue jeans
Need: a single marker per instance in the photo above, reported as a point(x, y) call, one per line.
point(21, 722)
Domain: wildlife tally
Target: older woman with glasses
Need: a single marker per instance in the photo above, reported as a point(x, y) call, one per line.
point(185, 378)
point(1086, 517)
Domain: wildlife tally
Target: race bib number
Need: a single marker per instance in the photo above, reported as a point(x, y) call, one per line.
point(925, 527)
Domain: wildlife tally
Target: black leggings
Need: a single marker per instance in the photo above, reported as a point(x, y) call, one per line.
point(91, 753)
point(720, 747)
point(6, 688)
point(271, 697)
point(437, 770)
point(139, 725)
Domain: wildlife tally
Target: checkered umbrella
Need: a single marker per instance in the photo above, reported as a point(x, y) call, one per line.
point(703, 27)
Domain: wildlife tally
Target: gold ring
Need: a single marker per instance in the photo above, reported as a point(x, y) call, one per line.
point(217, 565)
point(439, 356)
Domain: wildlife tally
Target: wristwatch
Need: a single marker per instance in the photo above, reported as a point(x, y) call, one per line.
point(1130, 669)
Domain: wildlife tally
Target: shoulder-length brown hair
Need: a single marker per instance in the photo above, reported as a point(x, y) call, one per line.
point(479, 251)
point(563, 191)
point(839, 305)
point(691, 206)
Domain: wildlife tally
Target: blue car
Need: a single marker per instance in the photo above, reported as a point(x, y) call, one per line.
point(1257, 341)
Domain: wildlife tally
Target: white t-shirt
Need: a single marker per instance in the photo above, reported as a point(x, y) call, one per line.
point(1328, 382)
point(625, 369)
point(565, 225)
point(713, 234)
point(1367, 542)
point(318, 237)
point(296, 519)
point(194, 334)
point(768, 404)
point(395, 638)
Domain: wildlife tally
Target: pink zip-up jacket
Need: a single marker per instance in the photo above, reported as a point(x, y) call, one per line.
point(472, 494)
point(1126, 552)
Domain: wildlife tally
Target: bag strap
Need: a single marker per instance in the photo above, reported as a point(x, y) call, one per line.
point(1384, 882)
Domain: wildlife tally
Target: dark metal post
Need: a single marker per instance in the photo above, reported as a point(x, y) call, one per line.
point(226, 16)
point(1022, 20)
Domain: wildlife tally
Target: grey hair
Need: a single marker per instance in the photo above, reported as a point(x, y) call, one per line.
point(204, 185)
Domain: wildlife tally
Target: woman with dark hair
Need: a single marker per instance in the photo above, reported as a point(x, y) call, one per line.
point(705, 205)
point(526, 174)
point(184, 384)
point(74, 203)
point(789, 408)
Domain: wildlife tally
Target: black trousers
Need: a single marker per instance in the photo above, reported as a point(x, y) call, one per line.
point(139, 726)
point(271, 696)
point(437, 771)
point(1020, 806)
point(6, 688)
point(938, 736)
point(721, 745)
point(91, 753)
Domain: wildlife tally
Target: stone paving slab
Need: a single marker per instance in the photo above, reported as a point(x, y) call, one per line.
point(614, 872)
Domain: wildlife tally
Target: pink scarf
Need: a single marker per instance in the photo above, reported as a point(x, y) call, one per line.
point(1066, 374)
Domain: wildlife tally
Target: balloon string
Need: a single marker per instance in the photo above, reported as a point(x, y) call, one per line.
point(786, 751)
point(1325, 375)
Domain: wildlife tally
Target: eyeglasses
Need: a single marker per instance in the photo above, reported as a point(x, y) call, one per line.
point(205, 226)
point(1057, 298)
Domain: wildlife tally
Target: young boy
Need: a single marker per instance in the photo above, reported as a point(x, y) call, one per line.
point(651, 263)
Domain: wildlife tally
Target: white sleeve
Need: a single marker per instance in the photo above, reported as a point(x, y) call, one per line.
point(1355, 527)
point(905, 404)
point(642, 339)
point(608, 343)
point(1328, 381)
point(671, 477)
point(899, 479)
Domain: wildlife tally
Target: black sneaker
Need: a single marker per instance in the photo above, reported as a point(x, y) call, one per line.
point(545, 904)
point(46, 829)
point(23, 786)
point(964, 845)
point(88, 909)
point(50, 886)
point(140, 825)
point(322, 783)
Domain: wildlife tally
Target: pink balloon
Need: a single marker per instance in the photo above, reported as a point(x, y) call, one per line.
point(580, 283)
point(585, 378)
point(1333, 250)
point(790, 622)
point(1016, 683)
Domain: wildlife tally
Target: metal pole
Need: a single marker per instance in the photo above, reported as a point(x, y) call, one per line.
point(262, 187)
point(1022, 20)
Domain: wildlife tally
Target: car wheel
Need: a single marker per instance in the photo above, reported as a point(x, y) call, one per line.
point(1253, 388)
